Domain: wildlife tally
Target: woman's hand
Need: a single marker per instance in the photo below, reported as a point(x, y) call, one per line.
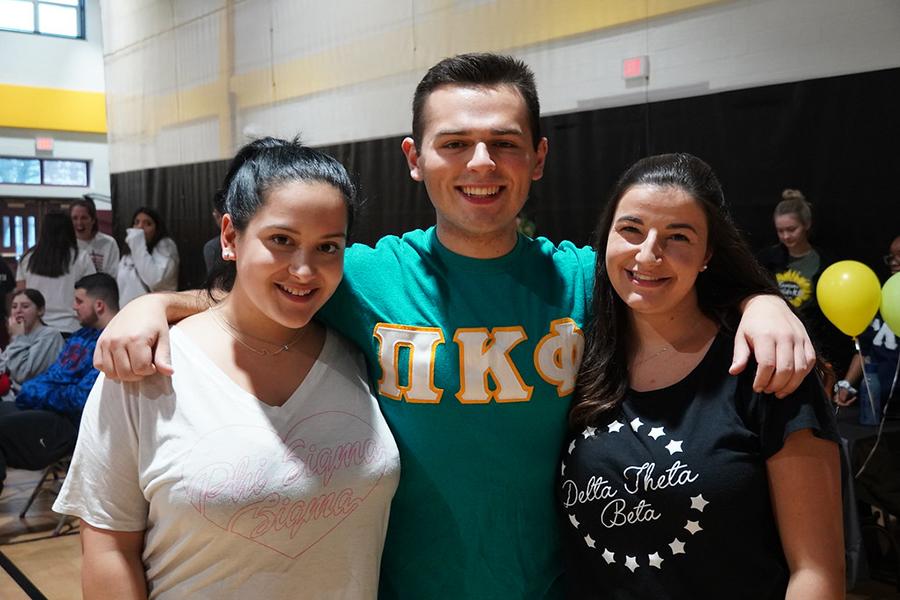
point(844, 396)
point(15, 327)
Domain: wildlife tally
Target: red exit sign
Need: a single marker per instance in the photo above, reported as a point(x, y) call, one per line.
point(636, 67)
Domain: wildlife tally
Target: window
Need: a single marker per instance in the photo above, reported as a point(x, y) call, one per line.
point(49, 17)
point(19, 233)
point(43, 171)
point(20, 170)
point(65, 172)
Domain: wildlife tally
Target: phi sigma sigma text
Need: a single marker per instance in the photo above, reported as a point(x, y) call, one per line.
point(482, 352)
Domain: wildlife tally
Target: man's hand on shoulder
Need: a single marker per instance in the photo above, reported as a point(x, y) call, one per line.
point(773, 334)
point(135, 344)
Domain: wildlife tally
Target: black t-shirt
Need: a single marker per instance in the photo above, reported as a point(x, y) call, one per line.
point(668, 497)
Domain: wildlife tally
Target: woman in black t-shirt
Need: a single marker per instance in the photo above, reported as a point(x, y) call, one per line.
point(680, 480)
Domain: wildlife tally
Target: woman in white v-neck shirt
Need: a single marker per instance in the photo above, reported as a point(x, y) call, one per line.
point(262, 467)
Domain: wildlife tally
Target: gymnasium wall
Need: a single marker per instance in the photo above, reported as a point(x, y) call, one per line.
point(191, 81)
point(53, 86)
point(773, 93)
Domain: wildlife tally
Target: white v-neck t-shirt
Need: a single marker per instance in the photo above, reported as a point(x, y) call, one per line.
point(240, 499)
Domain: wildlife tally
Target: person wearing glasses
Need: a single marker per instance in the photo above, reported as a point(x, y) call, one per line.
point(880, 349)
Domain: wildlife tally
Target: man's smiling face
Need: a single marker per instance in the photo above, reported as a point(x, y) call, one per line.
point(477, 161)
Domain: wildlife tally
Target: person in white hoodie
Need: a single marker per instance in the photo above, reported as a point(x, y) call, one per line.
point(149, 259)
point(102, 248)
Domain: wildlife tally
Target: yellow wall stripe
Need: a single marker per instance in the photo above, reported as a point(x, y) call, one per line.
point(52, 109)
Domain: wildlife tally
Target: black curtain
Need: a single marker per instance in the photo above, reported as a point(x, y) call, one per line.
point(832, 138)
point(392, 202)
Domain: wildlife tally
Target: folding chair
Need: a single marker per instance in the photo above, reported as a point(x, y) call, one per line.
point(51, 482)
point(878, 488)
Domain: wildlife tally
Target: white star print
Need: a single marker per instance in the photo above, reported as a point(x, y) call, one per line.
point(693, 527)
point(589, 432)
point(697, 502)
point(677, 547)
point(609, 557)
point(636, 423)
point(571, 446)
point(589, 541)
point(631, 563)
point(615, 426)
point(655, 560)
point(674, 446)
point(574, 521)
point(657, 432)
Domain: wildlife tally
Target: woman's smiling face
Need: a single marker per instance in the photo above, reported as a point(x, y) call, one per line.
point(656, 248)
point(290, 256)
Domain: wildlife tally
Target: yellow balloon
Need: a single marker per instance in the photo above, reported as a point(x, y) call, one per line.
point(849, 294)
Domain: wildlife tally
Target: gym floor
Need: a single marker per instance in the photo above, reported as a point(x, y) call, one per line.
point(52, 564)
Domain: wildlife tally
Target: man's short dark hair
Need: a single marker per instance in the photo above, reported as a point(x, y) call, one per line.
point(101, 286)
point(478, 69)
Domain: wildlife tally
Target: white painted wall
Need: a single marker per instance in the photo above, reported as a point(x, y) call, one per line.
point(55, 62)
point(45, 61)
point(67, 145)
point(734, 45)
point(731, 45)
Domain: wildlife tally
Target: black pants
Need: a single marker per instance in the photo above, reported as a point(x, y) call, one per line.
point(33, 439)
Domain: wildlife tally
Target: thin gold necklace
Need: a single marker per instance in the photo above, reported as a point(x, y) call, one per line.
point(652, 356)
point(234, 333)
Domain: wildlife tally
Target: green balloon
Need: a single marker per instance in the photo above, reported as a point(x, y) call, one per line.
point(890, 302)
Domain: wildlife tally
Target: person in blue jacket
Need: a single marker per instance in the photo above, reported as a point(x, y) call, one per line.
point(41, 426)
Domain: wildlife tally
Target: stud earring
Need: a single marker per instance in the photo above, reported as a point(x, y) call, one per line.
point(227, 254)
point(703, 268)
